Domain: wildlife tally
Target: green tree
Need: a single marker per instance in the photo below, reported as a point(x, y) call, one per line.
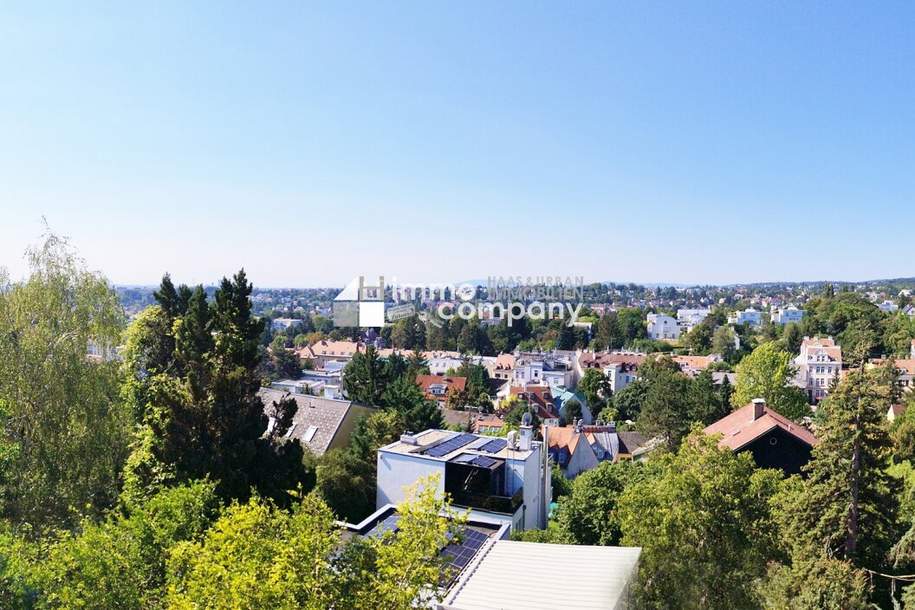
point(65, 428)
point(703, 526)
point(596, 388)
point(666, 410)
point(845, 508)
point(120, 562)
point(768, 373)
point(256, 556)
point(587, 514)
point(204, 418)
point(365, 378)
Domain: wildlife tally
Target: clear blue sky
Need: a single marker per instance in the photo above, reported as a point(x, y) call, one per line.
point(668, 142)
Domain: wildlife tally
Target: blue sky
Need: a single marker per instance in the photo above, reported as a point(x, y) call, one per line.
point(653, 142)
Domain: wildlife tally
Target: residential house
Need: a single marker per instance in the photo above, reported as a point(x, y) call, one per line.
point(542, 368)
point(888, 306)
point(747, 316)
point(540, 399)
point(774, 440)
point(502, 479)
point(818, 364)
point(578, 448)
point(502, 367)
point(562, 396)
point(325, 351)
point(439, 388)
point(786, 315)
point(488, 424)
point(693, 365)
point(690, 318)
point(320, 424)
point(281, 324)
point(662, 327)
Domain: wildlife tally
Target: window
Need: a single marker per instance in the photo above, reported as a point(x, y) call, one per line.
point(310, 433)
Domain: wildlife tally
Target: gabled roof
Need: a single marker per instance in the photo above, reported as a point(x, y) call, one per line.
point(316, 420)
point(631, 441)
point(740, 428)
point(452, 384)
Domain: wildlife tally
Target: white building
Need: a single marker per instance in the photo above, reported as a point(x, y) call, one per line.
point(502, 479)
point(689, 318)
point(620, 374)
point(888, 306)
point(662, 327)
point(542, 368)
point(818, 364)
point(786, 315)
point(747, 316)
point(281, 324)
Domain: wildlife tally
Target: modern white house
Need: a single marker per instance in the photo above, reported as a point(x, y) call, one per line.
point(786, 315)
point(747, 316)
point(281, 324)
point(542, 368)
point(661, 327)
point(818, 364)
point(502, 479)
point(888, 307)
point(689, 318)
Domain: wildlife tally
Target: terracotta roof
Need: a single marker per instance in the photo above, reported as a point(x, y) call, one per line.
point(505, 362)
point(739, 428)
point(695, 362)
point(454, 384)
point(897, 410)
point(488, 421)
point(602, 359)
point(330, 348)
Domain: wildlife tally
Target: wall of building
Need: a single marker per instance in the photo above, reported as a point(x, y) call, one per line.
point(397, 471)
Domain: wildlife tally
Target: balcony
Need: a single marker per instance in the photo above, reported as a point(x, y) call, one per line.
point(507, 505)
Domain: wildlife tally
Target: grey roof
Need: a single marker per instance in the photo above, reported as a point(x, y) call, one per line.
point(324, 414)
point(507, 577)
point(631, 441)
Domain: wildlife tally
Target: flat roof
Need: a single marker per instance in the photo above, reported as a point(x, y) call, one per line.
point(501, 578)
point(426, 440)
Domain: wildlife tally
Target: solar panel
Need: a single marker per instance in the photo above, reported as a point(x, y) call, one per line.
point(484, 462)
point(388, 525)
point(494, 446)
point(452, 444)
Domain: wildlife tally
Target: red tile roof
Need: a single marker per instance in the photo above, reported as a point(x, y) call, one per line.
point(454, 384)
point(740, 429)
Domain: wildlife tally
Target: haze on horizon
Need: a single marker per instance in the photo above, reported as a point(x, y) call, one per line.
point(717, 145)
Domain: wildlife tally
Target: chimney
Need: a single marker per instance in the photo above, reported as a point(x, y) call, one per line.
point(526, 432)
point(759, 407)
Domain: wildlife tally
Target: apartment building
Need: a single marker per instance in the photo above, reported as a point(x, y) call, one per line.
point(818, 364)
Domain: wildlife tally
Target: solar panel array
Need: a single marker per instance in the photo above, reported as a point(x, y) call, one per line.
point(494, 446)
point(452, 444)
point(388, 525)
point(459, 553)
